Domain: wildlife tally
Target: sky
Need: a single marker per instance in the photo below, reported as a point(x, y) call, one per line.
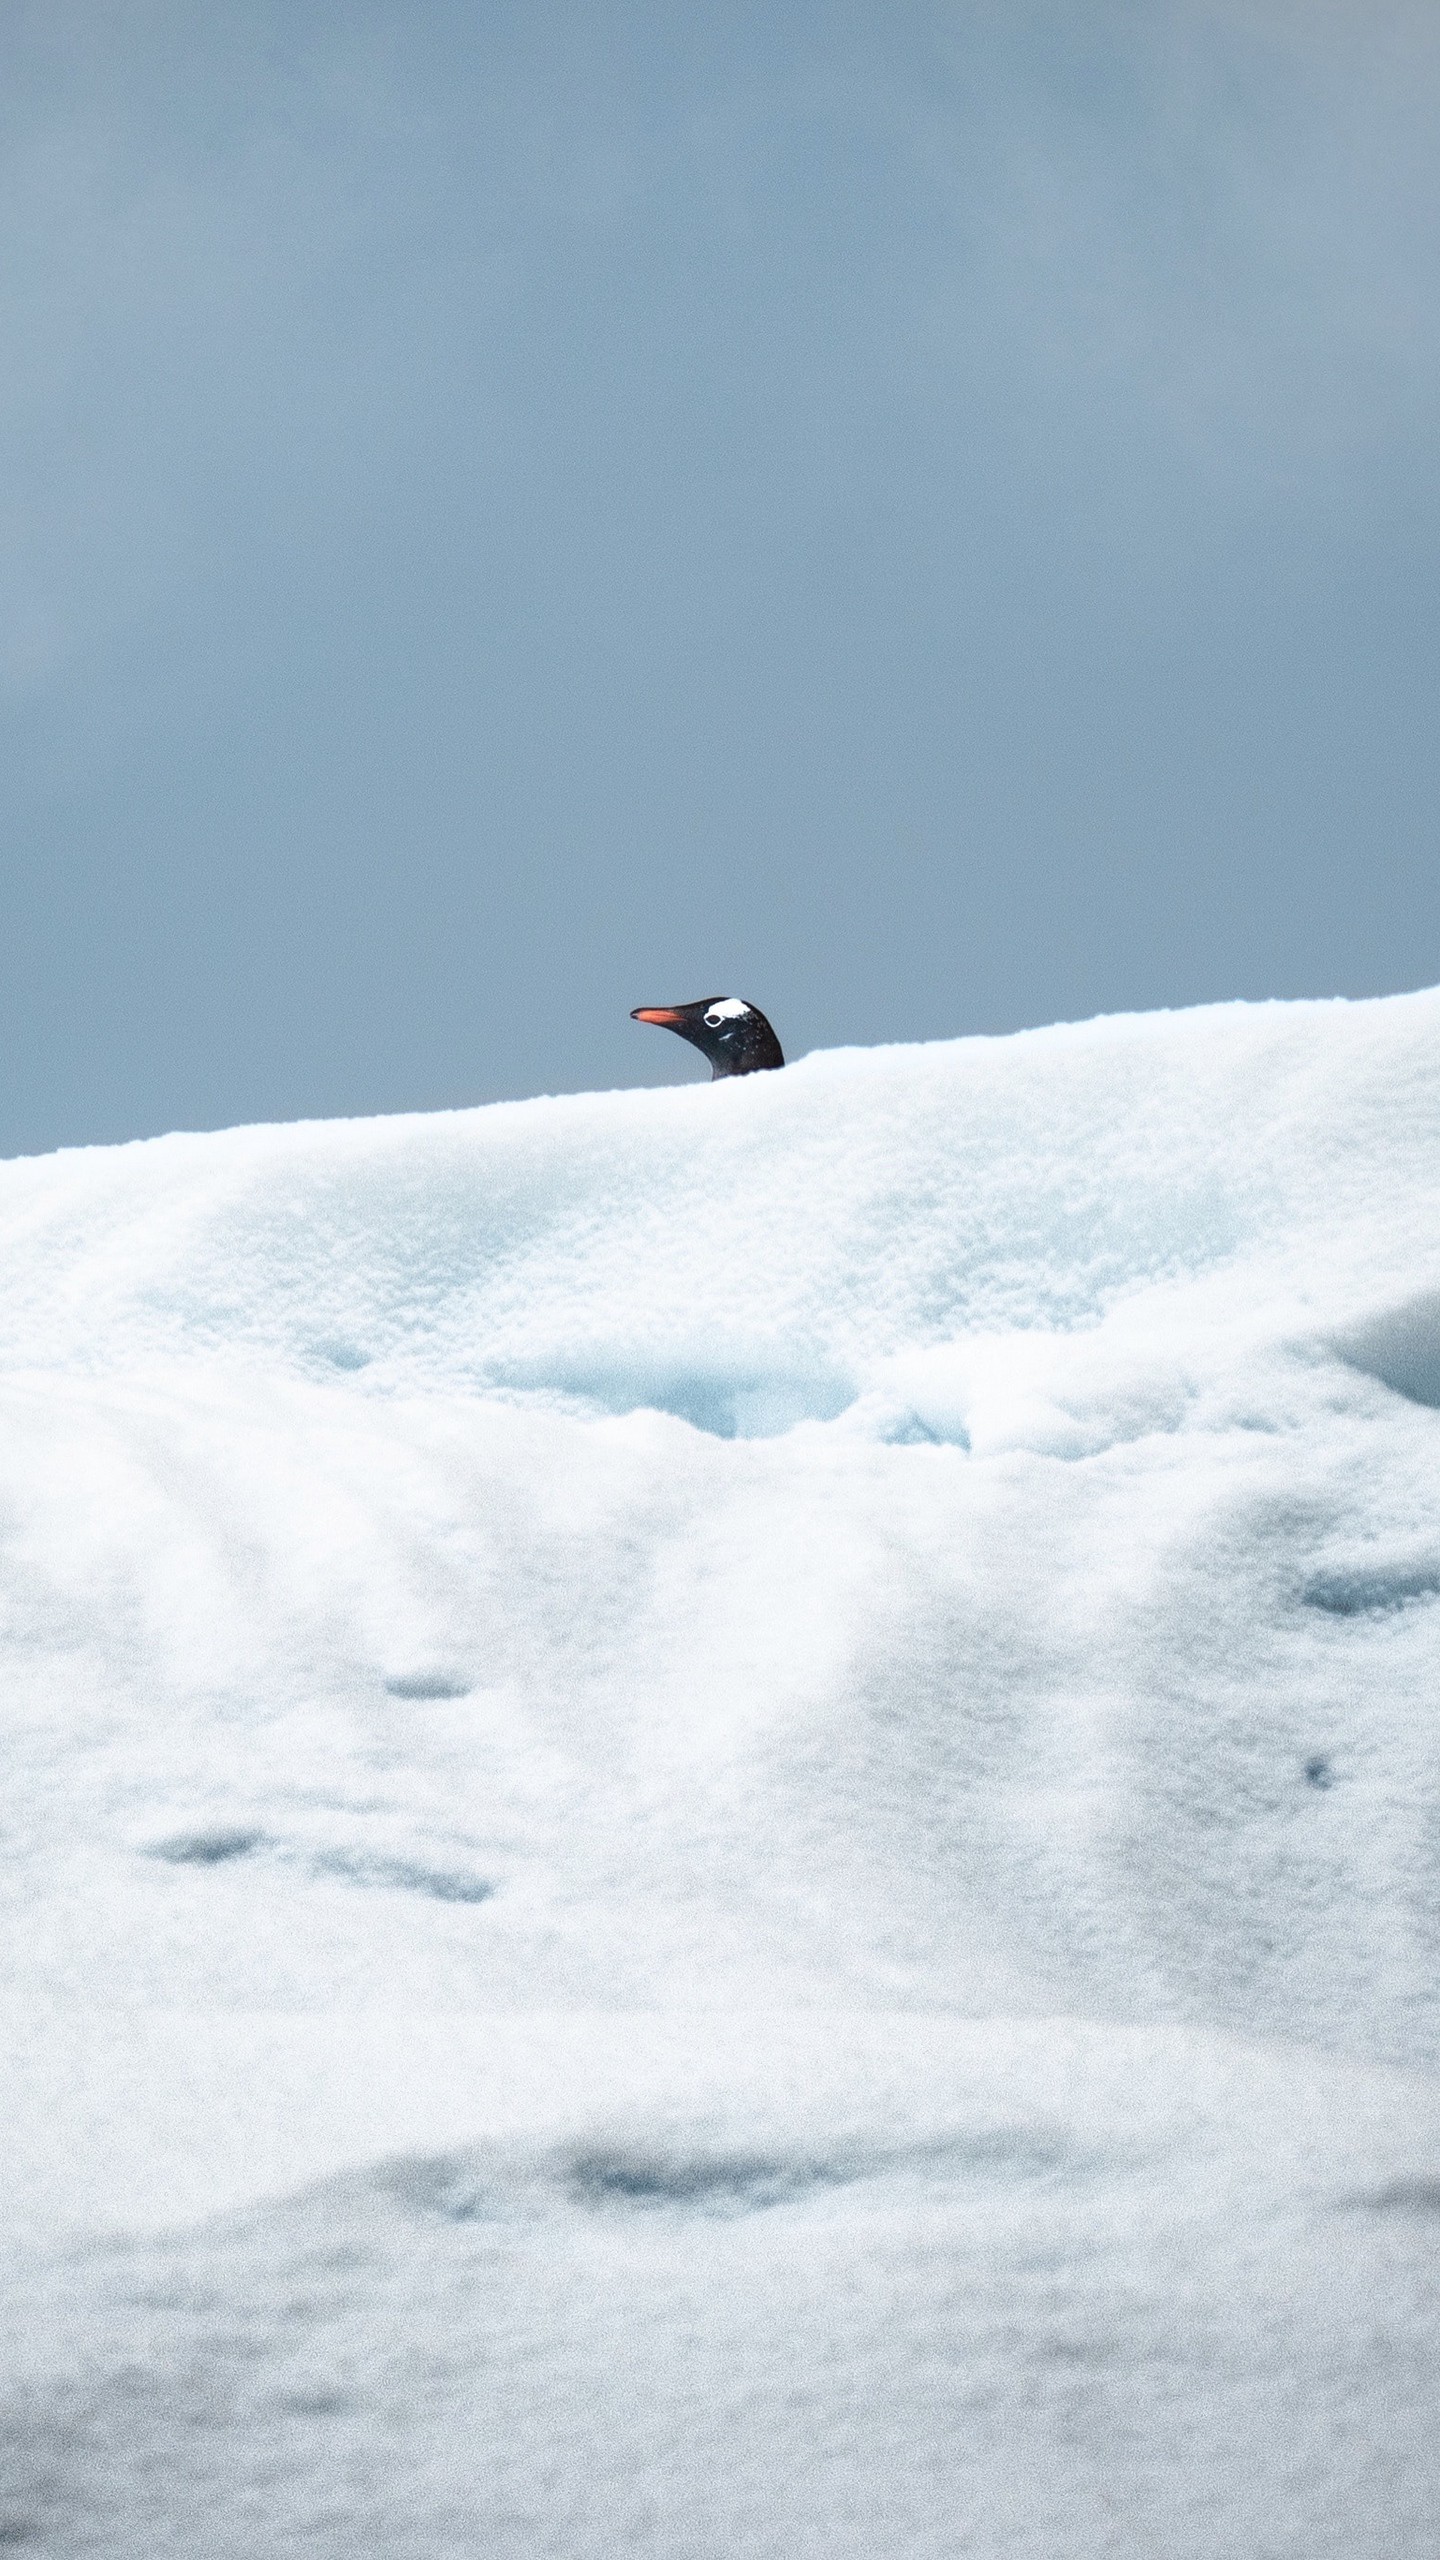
point(925, 516)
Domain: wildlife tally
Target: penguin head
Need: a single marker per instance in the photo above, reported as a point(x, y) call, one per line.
point(735, 1036)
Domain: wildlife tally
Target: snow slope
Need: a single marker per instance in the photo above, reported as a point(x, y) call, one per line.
point(722, 1829)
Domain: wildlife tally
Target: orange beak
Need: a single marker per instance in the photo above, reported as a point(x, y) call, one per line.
point(665, 1014)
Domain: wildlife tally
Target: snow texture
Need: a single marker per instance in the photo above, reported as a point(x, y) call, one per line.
point(722, 1815)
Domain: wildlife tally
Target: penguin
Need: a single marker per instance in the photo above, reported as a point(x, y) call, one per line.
point(735, 1036)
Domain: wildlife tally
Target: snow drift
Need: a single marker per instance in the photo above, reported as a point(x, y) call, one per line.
point(722, 1829)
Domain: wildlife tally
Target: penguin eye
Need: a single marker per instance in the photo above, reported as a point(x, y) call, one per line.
point(714, 1018)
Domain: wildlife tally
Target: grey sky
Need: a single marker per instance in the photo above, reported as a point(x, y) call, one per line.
point(924, 516)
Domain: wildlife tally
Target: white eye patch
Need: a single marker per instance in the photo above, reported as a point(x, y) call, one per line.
point(729, 1009)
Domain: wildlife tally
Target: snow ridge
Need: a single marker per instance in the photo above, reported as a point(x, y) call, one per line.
point(746, 1778)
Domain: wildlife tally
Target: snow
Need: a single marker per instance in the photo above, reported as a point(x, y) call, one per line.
point(722, 1829)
